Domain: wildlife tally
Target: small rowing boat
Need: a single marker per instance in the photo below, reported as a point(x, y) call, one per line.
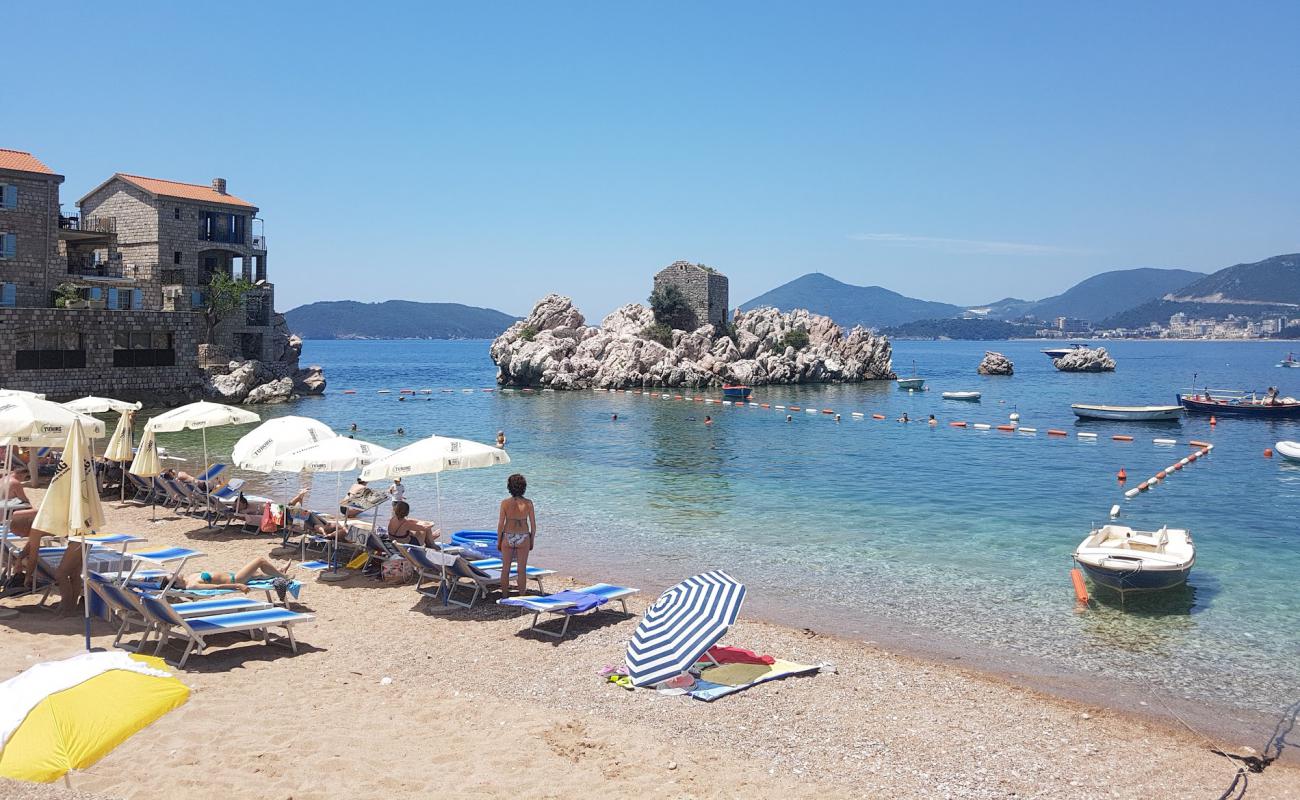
point(967, 396)
point(1225, 403)
point(1288, 450)
point(1127, 413)
point(736, 391)
point(914, 383)
point(1120, 558)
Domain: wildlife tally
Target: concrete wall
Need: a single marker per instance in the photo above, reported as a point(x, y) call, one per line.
point(705, 290)
point(36, 224)
point(98, 330)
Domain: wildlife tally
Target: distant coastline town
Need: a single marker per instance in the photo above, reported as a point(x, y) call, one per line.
point(1180, 326)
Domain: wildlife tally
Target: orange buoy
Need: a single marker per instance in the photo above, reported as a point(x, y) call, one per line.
point(1213, 421)
point(1161, 475)
point(957, 424)
point(1142, 487)
point(1178, 466)
point(876, 416)
point(1080, 589)
point(349, 391)
point(1268, 452)
point(795, 408)
point(1195, 443)
point(1194, 456)
point(1119, 437)
point(828, 411)
point(1006, 427)
point(1121, 476)
point(763, 405)
point(1055, 432)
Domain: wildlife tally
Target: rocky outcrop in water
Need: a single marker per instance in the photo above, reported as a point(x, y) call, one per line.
point(276, 381)
point(995, 363)
point(554, 347)
point(1085, 359)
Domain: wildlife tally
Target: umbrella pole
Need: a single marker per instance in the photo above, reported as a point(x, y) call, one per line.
point(207, 502)
point(437, 478)
point(85, 582)
point(4, 514)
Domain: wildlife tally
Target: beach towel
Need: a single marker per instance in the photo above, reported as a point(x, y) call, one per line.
point(25, 691)
point(261, 584)
point(737, 655)
point(582, 602)
point(728, 679)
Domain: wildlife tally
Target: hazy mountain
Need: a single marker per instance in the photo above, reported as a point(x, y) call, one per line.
point(960, 328)
point(1271, 286)
point(1109, 293)
point(848, 304)
point(395, 319)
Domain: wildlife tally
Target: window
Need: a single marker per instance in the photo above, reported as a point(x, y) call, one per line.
point(8, 295)
point(144, 349)
point(8, 195)
point(176, 257)
point(53, 349)
point(176, 212)
point(8, 246)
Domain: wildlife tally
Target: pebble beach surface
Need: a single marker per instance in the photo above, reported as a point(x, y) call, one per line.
point(393, 694)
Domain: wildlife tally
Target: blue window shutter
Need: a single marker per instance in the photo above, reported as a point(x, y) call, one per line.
point(10, 248)
point(137, 298)
point(96, 293)
point(10, 196)
point(112, 297)
point(9, 295)
point(196, 299)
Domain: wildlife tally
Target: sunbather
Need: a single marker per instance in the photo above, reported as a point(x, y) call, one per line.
point(401, 528)
point(356, 491)
point(181, 475)
point(258, 567)
point(516, 532)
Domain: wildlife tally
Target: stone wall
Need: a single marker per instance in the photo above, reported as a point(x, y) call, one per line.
point(154, 385)
point(705, 291)
point(35, 222)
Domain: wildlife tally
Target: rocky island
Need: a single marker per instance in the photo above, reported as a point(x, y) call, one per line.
point(1085, 359)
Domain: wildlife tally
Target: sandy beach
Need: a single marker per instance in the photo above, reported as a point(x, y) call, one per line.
point(476, 707)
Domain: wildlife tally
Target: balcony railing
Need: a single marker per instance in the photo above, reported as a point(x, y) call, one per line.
point(75, 222)
point(259, 241)
point(171, 277)
point(90, 268)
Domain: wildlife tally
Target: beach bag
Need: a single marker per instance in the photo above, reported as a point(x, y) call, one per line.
point(271, 518)
point(397, 570)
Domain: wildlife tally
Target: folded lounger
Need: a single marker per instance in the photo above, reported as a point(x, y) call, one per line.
point(195, 631)
point(569, 604)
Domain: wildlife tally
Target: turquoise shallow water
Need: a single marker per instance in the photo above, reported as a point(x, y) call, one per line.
point(952, 535)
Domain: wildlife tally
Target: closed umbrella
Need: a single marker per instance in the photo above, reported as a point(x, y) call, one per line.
point(119, 445)
point(71, 504)
point(147, 464)
point(435, 455)
point(259, 448)
point(682, 625)
point(200, 416)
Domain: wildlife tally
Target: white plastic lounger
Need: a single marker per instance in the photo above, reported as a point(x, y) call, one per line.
point(555, 604)
point(172, 625)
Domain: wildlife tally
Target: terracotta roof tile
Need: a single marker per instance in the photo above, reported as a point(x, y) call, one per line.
point(183, 191)
point(22, 161)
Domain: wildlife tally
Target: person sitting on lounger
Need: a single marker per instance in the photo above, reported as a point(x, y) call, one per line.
point(516, 532)
point(355, 492)
point(401, 528)
point(260, 567)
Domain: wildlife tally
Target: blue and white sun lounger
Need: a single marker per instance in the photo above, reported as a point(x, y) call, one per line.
point(569, 604)
point(126, 604)
point(194, 631)
point(532, 573)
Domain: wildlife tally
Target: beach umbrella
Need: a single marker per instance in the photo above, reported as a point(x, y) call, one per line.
point(339, 454)
point(119, 445)
point(64, 715)
point(71, 505)
point(27, 419)
point(99, 405)
point(147, 464)
point(433, 456)
point(682, 625)
point(259, 448)
point(200, 416)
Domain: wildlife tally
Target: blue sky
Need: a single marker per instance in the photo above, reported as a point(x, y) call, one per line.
point(490, 153)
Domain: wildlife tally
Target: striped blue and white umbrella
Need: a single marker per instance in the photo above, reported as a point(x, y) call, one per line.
point(682, 625)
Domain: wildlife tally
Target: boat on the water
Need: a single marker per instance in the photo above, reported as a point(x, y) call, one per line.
point(736, 391)
point(967, 396)
point(1229, 403)
point(1290, 361)
point(1057, 352)
point(1288, 450)
point(914, 382)
point(1127, 413)
point(1120, 558)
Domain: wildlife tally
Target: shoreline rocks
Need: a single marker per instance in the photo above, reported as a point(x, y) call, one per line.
point(1085, 359)
point(254, 382)
point(554, 347)
point(994, 363)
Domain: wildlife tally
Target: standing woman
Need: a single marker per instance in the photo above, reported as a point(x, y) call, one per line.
point(516, 532)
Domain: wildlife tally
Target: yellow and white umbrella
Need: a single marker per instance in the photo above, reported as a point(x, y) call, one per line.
point(71, 505)
point(199, 417)
point(119, 446)
point(146, 463)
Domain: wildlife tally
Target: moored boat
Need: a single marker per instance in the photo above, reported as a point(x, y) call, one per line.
point(1120, 558)
point(736, 391)
point(1290, 361)
point(968, 396)
point(1127, 413)
point(1225, 403)
point(1057, 352)
point(1288, 450)
point(912, 383)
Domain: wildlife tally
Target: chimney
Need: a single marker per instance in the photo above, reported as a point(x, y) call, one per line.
point(219, 185)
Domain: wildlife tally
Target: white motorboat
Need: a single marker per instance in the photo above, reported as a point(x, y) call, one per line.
point(1290, 361)
point(1127, 413)
point(1288, 450)
point(968, 396)
point(915, 383)
point(1057, 352)
point(1120, 558)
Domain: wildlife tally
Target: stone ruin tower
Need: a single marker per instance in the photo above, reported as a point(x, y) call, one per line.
point(704, 288)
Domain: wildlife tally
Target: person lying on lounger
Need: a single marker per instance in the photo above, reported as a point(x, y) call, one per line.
point(401, 528)
point(185, 477)
point(260, 567)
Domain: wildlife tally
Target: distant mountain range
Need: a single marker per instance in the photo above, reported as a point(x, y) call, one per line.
point(1271, 286)
point(395, 319)
point(1094, 299)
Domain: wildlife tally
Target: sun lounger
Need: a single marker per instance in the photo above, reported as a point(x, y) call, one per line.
point(569, 604)
point(163, 558)
point(532, 573)
point(430, 568)
point(195, 631)
point(125, 604)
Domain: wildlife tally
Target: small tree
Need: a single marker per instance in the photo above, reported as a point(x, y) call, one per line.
point(225, 294)
point(670, 307)
point(66, 293)
point(796, 338)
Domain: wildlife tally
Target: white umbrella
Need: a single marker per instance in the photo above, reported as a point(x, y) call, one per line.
point(433, 456)
point(146, 463)
point(339, 454)
point(260, 447)
point(200, 416)
point(71, 504)
point(99, 405)
point(119, 445)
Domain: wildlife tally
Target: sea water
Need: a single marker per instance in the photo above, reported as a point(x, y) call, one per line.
point(950, 535)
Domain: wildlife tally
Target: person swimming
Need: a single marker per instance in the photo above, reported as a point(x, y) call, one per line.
point(904, 418)
point(933, 421)
point(708, 420)
point(789, 418)
point(401, 431)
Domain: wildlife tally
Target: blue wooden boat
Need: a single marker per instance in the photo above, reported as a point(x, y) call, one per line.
point(736, 391)
point(1224, 403)
point(1125, 560)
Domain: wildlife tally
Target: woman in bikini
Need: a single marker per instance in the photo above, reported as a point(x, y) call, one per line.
point(516, 532)
point(261, 566)
point(402, 528)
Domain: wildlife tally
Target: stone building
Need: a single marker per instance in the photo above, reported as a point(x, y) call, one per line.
point(105, 301)
point(704, 288)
